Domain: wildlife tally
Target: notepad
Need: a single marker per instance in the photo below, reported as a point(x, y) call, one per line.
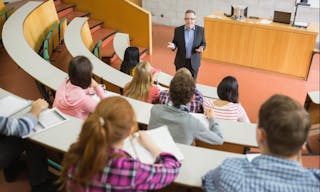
point(10, 105)
point(161, 136)
point(47, 119)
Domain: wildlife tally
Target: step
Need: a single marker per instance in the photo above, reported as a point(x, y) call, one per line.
point(62, 7)
point(57, 2)
point(74, 14)
point(104, 34)
point(94, 25)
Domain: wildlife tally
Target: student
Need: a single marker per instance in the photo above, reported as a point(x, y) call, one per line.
point(141, 86)
point(227, 107)
point(183, 126)
point(96, 162)
point(282, 130)
point(74, 96)
point(130, 60)
point(194, 106)
point(12, 146)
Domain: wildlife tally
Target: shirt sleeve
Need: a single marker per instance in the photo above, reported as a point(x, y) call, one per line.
point(210, 180)
point(100, 92)
point(158, 175)
point(242, 116)
point(17, 127)
point(211, 135)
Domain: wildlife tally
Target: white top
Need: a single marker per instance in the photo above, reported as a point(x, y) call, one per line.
point(20, 51)
point(314, 96)
point(76, 47)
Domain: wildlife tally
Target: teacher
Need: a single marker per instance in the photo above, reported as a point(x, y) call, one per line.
point(190, 42)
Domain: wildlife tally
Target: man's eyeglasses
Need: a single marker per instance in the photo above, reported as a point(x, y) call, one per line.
point(190, 19)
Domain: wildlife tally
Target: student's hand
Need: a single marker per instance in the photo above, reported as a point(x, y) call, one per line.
point(146, 141)
point(209, 113)
point(200, 49)
point(94, 84)
point(38, 106)
point(171, 45)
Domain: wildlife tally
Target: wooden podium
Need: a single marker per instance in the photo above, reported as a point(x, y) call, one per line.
point(273, 47)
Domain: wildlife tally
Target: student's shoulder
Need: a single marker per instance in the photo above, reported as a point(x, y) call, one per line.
point(234, 165)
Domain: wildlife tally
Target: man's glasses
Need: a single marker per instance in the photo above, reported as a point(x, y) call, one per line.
point(192, 19)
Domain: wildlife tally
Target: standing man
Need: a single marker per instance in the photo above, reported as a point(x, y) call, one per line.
point(190, 42)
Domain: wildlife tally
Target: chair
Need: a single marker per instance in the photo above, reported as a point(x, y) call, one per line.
point(96, 50)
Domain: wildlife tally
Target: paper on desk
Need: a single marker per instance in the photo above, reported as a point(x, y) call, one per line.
point(161, 136)
point(9, 105)
point(47, 119)
point(265, 21)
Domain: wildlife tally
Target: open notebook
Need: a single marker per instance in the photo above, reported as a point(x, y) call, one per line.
point(47, 119)
point(11, 105)
point(161, 137)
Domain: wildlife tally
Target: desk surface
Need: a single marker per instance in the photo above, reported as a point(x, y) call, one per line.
point(23, 55)
point(76, 47)
point(197, 161)
point(314, 96)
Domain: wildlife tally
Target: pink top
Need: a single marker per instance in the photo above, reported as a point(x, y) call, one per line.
point(230, 111)
point(75, 101)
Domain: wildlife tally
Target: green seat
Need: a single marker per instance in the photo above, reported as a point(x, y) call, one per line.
point(54, 165)
point(60, 25)
point(96, 50)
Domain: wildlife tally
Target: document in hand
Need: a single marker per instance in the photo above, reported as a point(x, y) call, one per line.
point(10, 105)
point(47, 119)
point(161, 136)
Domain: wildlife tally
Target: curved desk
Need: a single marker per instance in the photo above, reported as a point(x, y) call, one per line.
point(19, 50)
point(23, 55)
point(76, 47)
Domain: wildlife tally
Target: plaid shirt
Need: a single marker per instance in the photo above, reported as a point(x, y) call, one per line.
point(263, 173)
point(194, 106)
point(127, 174)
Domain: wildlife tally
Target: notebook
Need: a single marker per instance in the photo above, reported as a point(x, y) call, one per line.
point(47, 119)
point(10, 105)
point(281, 17)
point(161, 136)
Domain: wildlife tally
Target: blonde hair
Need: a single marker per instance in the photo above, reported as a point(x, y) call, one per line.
point(112, 121)
point(141, 82)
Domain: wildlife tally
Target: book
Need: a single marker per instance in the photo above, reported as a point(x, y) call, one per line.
point(10, 105)
point(47, 119)
point(161, 136)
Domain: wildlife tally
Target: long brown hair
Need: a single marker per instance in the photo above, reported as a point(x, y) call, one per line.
point(111, 122)
point(141, 82)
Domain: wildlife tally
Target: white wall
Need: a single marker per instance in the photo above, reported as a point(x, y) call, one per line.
point(171, 12)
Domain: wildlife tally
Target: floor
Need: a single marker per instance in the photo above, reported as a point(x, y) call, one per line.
point(255, 85)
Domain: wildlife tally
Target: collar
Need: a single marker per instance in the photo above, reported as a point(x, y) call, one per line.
point(183, 108)
point(193, 28)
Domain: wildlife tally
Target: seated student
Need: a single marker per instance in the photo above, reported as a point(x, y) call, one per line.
point(12, 146)
point(183, 126)
point(130, 60)
point(194, 106)
point(227, 106)
point(74, 96)
point(96, 162)
point(282, 131)
point(141, 86)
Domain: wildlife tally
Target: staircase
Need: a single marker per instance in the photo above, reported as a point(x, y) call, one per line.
point(98, 31)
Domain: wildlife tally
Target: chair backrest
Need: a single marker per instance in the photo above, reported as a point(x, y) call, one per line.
point(62, 26)
point(96, 50)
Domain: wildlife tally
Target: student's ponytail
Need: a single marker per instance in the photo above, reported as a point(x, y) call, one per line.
point(111, 122)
